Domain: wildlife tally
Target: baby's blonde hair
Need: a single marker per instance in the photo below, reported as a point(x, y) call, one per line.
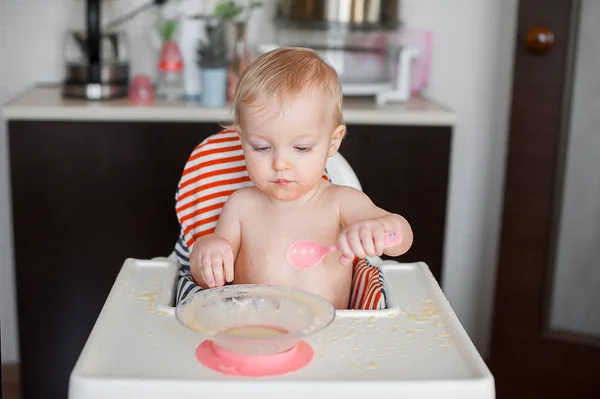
point(287, 71)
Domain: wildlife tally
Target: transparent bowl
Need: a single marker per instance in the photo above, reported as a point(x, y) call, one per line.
point(253, 319)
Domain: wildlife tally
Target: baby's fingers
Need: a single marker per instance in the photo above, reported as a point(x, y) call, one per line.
point(216, 260)
point(379, 238)
point(366, 239)
point(207, 272)
point(195, 259)
point(355, 244)
point(228, 264)
point(347, 254)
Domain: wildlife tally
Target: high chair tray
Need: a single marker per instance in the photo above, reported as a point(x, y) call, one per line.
point(414, 349)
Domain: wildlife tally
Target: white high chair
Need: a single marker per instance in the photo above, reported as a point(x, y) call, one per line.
point(415, 348)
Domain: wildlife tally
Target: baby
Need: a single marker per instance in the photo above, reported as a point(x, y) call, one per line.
point(288, 114)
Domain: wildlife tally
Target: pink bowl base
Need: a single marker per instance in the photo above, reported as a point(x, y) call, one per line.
point(217, 359)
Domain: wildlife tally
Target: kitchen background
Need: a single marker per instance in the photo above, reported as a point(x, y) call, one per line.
point(470, 73)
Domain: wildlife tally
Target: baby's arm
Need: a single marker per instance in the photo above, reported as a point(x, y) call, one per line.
point(365, 226)
point(213, 256)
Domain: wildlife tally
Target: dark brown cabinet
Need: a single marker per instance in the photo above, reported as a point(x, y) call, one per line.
point(88, 195)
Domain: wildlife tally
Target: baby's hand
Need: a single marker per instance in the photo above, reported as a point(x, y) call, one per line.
point(214, 258)
point(361, 239)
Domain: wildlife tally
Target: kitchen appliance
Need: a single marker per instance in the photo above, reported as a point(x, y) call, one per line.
point(360, 39)
point(96, 56)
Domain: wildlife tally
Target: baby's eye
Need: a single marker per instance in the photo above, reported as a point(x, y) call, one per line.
point(302, 149)
point(261, 149)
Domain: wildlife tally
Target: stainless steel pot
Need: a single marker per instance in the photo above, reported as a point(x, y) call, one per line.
point(356, 14)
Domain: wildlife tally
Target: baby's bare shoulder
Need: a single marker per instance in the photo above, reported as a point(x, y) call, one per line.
point(243, 197)
point(343, 194)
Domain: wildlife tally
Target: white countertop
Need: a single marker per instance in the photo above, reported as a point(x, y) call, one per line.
point(46, 103)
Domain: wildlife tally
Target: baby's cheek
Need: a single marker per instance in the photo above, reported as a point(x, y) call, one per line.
point(254, 171)
point(314, 168)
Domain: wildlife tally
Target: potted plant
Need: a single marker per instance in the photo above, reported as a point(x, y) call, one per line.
point(213, 61)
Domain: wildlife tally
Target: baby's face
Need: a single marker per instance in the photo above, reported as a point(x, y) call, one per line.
point(286, 146)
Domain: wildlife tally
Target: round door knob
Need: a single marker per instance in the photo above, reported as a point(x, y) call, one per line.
point(539, 39)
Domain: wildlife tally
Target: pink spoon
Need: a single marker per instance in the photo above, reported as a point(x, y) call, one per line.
point(306, 253)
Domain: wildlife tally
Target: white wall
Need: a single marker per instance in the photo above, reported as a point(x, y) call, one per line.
point(472, 63)
point(472, 73)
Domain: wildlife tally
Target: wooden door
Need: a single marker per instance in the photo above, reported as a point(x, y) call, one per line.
point(546, 331)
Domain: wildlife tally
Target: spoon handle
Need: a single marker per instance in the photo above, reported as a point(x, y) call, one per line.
point(392, 238)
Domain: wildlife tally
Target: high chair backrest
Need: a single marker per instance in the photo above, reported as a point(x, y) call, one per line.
point(215, 169)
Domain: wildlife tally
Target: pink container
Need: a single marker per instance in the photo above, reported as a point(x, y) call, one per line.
point(421, 65)
point(141, 91)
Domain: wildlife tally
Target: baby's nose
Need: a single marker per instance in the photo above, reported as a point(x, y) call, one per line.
point(280, 163)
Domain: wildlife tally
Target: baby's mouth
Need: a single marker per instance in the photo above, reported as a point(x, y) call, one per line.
point(281, 182)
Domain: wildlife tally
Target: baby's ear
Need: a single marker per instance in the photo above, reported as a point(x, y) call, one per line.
point(336, 139)
point(238, 130)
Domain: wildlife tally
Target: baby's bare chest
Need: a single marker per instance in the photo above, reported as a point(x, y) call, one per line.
point(266, 236)
point(267, 233)
point(271, 230)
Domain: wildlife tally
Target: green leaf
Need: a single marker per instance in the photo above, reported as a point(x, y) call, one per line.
point(214, 53)
point(167, 28)
point(230, 9)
